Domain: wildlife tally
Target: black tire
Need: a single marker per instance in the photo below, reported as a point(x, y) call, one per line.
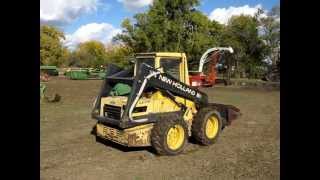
point(199, 126)
point(160, 131)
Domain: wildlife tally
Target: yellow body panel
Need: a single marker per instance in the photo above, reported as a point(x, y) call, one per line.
point(157, 103)
point(121, 101)
point(136, 136)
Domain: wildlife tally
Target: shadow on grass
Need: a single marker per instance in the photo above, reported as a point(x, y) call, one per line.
point(124, 148)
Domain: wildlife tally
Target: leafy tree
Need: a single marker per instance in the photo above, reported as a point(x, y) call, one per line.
point(275, 11)
point(118, 55)
point(89, 54)
point(271, 33)
point(94, 54)
point(242, 34)
point(171, 25)
point(66, 54)
point(51, 50)
point(72, 60)
point(177, 25)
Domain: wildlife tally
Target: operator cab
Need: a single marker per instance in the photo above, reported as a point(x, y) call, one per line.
point(172, 63)
point(151, 99)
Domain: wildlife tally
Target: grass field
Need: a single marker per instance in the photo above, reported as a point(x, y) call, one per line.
point(248, 149)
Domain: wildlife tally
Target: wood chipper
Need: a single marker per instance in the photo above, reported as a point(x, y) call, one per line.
point(160, 109)
point(206, 76)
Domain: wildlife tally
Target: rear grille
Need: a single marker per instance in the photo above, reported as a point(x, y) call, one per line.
point(111, 132)
point(113, 112)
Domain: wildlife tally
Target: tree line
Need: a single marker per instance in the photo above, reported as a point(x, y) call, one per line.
point(176, 26)
point(86, 54)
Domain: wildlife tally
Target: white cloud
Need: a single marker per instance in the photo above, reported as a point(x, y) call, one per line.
point(134, 5)
point(94, 31)
point(222, 15)
point(61, 12)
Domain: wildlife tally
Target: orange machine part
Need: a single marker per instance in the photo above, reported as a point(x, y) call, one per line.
point(209, 75)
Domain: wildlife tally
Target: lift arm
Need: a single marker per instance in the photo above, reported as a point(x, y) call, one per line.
point(148, 76)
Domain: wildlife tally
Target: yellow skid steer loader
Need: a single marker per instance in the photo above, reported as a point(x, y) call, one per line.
point(161, 110)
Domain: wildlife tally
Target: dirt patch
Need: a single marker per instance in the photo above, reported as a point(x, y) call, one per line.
point(249, 149)
point(255, 84)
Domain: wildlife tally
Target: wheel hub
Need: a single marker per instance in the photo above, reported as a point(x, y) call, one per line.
point(175, 137)
point(212, 127)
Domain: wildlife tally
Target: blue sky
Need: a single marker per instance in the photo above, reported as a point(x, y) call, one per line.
point(96, 19)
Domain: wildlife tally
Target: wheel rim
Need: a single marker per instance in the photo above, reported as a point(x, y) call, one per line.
point(212, 127)
point(175, 137)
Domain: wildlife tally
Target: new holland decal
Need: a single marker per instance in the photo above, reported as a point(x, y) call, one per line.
point(177, 84)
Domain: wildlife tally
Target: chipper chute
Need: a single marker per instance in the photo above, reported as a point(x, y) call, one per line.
point(206, 75)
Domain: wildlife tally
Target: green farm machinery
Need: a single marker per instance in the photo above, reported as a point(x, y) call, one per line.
point(85, 74)
point(50, 70)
